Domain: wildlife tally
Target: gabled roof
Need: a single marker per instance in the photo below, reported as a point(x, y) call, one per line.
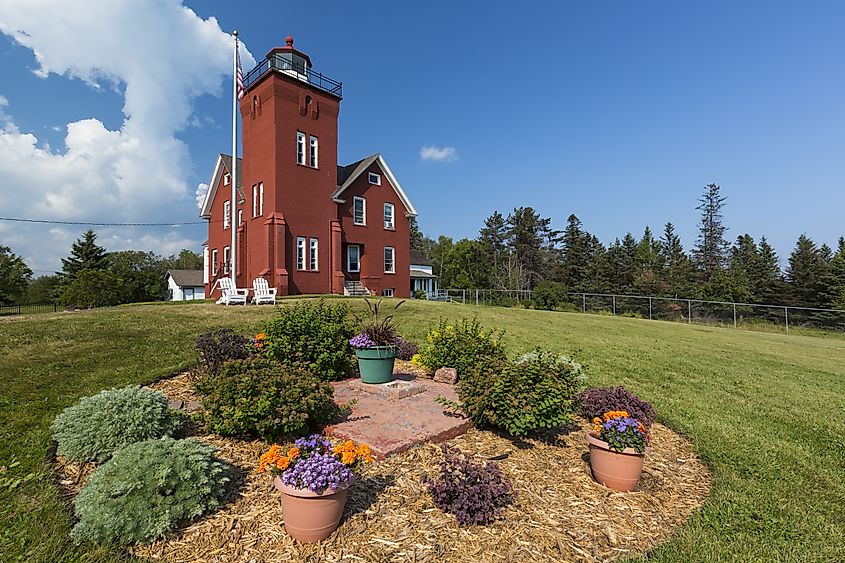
point(347, 174)
point(419, 258)
point(222, 166)
point(186, 278)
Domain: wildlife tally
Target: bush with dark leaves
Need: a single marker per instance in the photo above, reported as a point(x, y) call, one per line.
point(219, 346)
point(405, 349)
point(596, 401)
point(474, 492)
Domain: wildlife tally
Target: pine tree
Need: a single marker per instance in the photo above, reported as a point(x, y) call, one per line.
point(676, 264)
point(85, 255)
point(648, 265)
point(768, 284)
point(805, 271)
point(493, 238)
point(531, 240)
point(833, 290)
point(15, 276)
point(711, 248)
point(577, 253)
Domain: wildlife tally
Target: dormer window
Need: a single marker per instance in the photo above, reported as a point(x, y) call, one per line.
point(226, 179)
point(300, 147)
point(375, 179)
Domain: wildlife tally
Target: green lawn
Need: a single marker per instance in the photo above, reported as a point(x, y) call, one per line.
point(766, 412)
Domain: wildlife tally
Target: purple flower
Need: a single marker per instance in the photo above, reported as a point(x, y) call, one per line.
point(362, 341)
point(317, 473)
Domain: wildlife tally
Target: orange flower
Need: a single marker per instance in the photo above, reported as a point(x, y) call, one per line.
point(363, 450)
point(260, 336)
point(269, 458)
point(283, 462)
point(337, 449)
point(293, 452)
point(610, 415)
point(348, 458)
point(349, 446)
point(597, 423)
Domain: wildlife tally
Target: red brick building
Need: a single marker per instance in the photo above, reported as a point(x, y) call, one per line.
point(305, 223)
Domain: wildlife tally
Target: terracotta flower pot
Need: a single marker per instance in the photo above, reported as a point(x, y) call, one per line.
point(617, 470)
point(311, 517)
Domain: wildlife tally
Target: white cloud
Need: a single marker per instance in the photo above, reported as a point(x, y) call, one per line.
point(439, 154)
point(202, 189)
point(160, 56)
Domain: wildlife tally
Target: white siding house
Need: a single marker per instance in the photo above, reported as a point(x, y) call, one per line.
point(422, 276)
point(185, 285)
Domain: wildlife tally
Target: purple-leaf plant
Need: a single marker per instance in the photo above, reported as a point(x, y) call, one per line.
point(475, 493)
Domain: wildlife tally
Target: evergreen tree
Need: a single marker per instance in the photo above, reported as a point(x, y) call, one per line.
point(493, 238)
point(648, 265)
point(625, 282)
point(531, 240)
point(833, 284)
point(85, 255)
point(767, 283)
point(711, 248)
point(15, 276)
point(577, 253)
point(676, 264)
point(805, 271)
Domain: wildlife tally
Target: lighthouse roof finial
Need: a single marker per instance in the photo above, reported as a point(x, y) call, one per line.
point(289, 41)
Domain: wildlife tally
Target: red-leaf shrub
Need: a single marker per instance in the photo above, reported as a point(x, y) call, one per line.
point(475, 493)
point(596, 401)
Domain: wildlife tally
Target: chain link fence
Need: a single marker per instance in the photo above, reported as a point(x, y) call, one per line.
point(725, 313)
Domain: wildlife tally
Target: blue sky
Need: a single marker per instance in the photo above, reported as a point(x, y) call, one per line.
point(617, 112)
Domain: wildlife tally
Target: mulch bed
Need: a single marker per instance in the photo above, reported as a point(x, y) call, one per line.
point(560, 513)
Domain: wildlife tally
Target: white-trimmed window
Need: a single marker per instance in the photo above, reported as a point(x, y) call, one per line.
point(300, 253)
point(359, 210)
point(313, 253)
point(227, 213)
point(374, 179)
point(389, 260)
point(388, 216)
point(258, 199)
point(300, 147)
point(261, 198)
point(314, 149)
point(227, 257)
point(226, 179)
point(388, 292)
point(214, 262)
point(353, 258)
point(255, 200)
point(240, 216)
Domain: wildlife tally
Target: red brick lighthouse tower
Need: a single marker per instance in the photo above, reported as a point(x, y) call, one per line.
point(305, 224)
point(290, 154)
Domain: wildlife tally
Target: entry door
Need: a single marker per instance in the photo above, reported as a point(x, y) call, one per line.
point(353, 261)
point(188, 294)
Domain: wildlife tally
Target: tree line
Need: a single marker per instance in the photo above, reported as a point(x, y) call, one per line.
point(522, 250)
point(92, 277)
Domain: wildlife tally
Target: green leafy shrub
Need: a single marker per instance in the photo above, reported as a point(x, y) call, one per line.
point(94, 428)
point(91, 288)
point(147, 489)
point(261, 397)
point(461, 345)
point(314, 336)
point(548, 295)
point(536, 391)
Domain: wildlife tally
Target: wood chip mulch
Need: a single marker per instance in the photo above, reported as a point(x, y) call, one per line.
point(560, 513)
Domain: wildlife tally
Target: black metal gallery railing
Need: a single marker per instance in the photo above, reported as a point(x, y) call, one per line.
point(277, 62)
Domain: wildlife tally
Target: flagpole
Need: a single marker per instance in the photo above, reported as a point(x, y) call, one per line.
point(234, 205)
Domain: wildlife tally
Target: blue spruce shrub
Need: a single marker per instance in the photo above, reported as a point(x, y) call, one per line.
point(147, 489)
point(94, 428)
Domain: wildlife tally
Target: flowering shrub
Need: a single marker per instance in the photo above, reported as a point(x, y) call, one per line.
point(536, 391)
point(406, 349)
point(475, 493)
point(97, 426)
point(314, 336)
point(596, 401)
point(461, 345)
point(620, 431)
point(259, 341)
point(261, 397)
point(312, 463)
point(219, 346)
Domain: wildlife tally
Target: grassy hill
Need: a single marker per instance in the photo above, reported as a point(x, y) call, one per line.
point(766, 412)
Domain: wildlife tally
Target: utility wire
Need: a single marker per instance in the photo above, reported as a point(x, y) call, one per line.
point(95, 224)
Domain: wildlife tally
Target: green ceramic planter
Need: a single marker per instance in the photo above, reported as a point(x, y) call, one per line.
point(376, 364)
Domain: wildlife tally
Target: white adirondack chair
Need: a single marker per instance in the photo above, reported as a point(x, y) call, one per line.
point(262, 292)
point(231, 295)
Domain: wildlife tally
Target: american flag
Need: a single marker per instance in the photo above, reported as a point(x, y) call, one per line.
point(239, 77)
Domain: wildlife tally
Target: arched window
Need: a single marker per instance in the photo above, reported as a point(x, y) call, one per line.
point(254, 106)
